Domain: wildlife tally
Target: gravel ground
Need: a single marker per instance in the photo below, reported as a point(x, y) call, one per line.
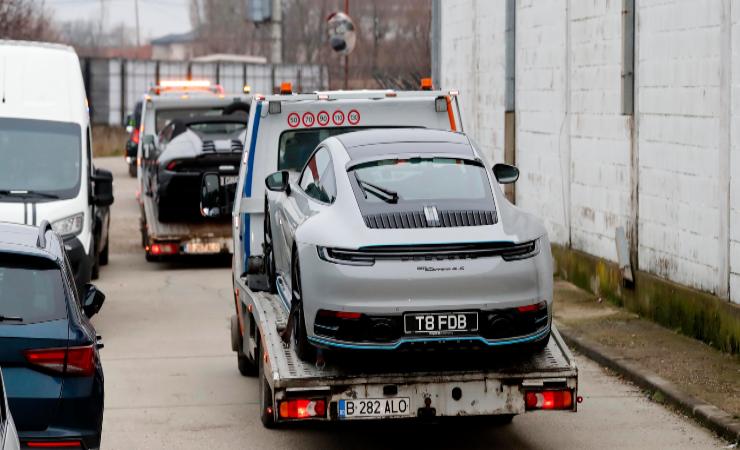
point(696, 368)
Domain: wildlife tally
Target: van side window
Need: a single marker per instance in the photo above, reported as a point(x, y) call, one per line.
point(318, 179)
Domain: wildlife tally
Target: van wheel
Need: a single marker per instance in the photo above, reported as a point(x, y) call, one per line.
point(303, 348)
point(103, 258)
point(267, 412)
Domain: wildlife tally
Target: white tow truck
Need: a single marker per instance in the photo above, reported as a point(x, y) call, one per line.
point(419, 384)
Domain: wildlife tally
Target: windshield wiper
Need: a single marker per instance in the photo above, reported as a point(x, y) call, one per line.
point(10, 318)
point(384, 194)
point(26, 193)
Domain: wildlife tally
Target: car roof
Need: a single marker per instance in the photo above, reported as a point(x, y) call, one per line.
point(17, 238)
point(364, 143)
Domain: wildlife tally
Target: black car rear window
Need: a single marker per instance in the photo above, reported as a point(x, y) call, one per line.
point(31, 289)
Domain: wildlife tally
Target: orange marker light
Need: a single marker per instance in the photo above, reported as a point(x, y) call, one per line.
point(426, 84)
point(286, 88)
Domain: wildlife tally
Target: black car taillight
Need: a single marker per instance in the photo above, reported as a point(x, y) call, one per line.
point(172, 164)
point(74, 361)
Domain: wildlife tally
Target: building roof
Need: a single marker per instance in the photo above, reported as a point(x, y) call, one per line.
point(230, 57)
point(175, 38)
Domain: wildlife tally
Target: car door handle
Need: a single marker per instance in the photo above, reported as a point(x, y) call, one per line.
point(99, 342)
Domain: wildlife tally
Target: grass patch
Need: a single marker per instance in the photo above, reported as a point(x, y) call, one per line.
point(108, 141)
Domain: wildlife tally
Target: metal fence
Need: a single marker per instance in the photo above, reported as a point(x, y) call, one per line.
point(115, 85)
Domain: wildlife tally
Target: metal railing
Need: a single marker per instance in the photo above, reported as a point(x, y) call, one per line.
point(115, 85)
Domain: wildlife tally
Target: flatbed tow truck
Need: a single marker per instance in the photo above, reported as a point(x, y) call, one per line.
point(422, 382)
point(403, 385)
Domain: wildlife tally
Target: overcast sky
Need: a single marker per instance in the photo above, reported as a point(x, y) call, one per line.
point(157, 17)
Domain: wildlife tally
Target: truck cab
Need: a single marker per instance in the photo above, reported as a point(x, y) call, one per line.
point(284, 129)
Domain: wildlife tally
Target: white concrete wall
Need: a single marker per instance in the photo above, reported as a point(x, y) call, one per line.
point(473, 56)
point(678, 75)
point(600, 134)
point(542, 128)
point(573, 144)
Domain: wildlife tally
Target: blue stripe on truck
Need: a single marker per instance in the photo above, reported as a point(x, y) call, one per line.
point(248, 183)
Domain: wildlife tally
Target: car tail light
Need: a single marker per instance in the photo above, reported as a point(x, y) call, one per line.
point(164, 249)
point(75, 361)
point(302, 408)
point(562, 399)
point(172, 164)
point(339, 314)
point(135, 136)
point(54, 444)
point(532, 308)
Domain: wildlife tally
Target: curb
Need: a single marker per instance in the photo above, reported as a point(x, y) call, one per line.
point(708, 415)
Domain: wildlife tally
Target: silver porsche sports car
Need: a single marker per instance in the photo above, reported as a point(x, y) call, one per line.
point(394, 238)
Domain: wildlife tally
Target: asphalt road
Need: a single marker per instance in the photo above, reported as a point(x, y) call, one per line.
point(172, 381)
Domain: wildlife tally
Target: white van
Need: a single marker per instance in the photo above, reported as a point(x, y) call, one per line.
point(46, 152)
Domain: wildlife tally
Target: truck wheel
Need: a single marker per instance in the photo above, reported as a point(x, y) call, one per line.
point(303, 348)
point(132, 169)
point(269, 260)
point(267, 412)
point(103, 259)
point(95, 272)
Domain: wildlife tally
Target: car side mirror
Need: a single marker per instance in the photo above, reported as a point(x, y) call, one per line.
point(505, 173)
point(93, 300)
point(129, 125)
point(103, 187)
point(278, 182)
point(210, 195)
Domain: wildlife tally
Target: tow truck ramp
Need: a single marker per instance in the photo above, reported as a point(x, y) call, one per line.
point(206, 237)
point(402, 385)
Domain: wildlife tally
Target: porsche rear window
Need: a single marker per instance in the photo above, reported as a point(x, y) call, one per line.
point(31, 290)
point(423, 179)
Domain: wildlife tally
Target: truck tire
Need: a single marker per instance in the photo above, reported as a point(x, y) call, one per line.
point(103, 259)
point(95, 272)
point(305, 351)
point(132, 169)
point(266, 415)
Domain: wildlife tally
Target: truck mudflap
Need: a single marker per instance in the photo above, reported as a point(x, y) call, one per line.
point(546, 380)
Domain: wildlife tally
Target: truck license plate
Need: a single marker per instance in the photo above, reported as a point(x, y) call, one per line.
point(200, 248)
point(374, 408)
point(441, 323)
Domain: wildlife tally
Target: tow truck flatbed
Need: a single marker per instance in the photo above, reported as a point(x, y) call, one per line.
point(433, 382)
point(206, 237)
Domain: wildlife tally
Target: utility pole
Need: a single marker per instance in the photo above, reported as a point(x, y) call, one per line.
point(138, 34)
point(276, 32)
point(346, 57)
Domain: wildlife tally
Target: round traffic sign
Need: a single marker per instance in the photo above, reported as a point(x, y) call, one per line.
point(308, 119)
point(322, 118)
point(353, 117)
point(337, 117)
point(294, 120)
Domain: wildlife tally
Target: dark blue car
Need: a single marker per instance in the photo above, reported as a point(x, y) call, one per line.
point(48, 347)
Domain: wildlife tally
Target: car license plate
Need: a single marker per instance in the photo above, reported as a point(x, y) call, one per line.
point(441, 323)
point(228, 179)
point(374, 408)
point(203, 247)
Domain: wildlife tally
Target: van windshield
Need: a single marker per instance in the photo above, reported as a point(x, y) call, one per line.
point(39, 157)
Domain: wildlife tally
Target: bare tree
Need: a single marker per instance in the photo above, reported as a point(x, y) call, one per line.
point(25, 19)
